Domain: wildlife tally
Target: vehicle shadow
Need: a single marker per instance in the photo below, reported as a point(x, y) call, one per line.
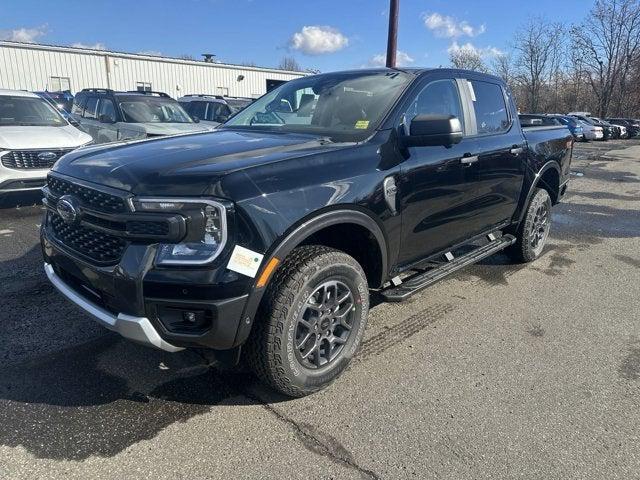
point(94, 394)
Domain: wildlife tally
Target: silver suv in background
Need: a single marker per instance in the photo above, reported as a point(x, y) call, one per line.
point(110, 116)
point(213, 109)
point(209, 109)
point(33, 136)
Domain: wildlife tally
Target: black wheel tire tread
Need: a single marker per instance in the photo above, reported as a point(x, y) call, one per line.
point(260, 353)
point(521, 251)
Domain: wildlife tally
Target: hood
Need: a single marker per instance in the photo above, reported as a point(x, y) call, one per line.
point(173, 128)
point(36, 138)
point(185, 164)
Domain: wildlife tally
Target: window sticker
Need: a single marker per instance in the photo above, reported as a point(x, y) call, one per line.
point(473, 92)
point(362, 124)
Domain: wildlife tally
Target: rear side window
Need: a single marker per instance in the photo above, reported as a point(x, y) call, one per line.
point(90, 108)
point(218, 112)
point(196, 109)
point(107, 109)
point(78, 105)
point(490, 107)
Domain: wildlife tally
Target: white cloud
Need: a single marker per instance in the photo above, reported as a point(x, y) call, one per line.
point(449, 27)
point(95, 46)
point(484, 52)
point(317, 40)
point(403, 59)
point(27, 35)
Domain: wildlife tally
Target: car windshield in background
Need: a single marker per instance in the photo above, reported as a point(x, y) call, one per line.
point(153, 110)
point(345, 106)
point(29, 111)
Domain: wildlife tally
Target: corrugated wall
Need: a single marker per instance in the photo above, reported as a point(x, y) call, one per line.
point(30, 67)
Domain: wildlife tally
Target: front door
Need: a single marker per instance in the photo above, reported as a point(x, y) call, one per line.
point(436, 198)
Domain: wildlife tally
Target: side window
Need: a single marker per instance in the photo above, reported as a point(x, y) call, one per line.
point(90, 108)
point(490, 107)
point(143, 86)
point(198, 109)
point(78, 105)
point(217, 111)
point(440, 97)
point(107, 109)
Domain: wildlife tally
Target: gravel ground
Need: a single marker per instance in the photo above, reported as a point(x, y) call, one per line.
point(500, 371)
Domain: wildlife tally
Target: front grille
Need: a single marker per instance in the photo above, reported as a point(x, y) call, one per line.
point(146, 227)
point(89, 197)
point(30, 159)
point(95, 245)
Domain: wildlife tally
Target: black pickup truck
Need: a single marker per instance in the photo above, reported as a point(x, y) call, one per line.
point(262, 240)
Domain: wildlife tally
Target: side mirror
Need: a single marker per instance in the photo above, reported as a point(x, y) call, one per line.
point(195, 119)
point(104, 118)
point(433, 130)
point(74, 122)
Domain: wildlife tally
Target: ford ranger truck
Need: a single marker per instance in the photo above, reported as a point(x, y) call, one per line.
point(262, 240)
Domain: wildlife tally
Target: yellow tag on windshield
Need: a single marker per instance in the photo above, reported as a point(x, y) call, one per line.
point(362, 124)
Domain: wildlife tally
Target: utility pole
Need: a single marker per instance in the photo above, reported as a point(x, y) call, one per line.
point(392, 41)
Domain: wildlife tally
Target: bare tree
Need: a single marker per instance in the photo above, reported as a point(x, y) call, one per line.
point(467, 58)
point(609, 42)
point(503, 67)
point(538, 45)
point(289, 63)
point(186, 56)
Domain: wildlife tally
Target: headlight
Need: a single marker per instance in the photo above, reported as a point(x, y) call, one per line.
point(201, 246)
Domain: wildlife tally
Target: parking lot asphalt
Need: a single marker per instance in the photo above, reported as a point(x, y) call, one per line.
point(500, 371)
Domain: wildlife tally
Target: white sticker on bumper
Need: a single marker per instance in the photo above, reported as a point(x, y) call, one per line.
point(245, 261)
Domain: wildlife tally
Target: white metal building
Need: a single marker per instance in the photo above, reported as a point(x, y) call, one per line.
point(26, 66)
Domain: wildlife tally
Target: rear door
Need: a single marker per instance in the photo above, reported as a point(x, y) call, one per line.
point(90, 117)
point(107, 130)
point(499, 146)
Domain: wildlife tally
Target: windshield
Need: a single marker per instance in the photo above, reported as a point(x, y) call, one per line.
point(345, 106)
point(29, 111)
point(153, 110)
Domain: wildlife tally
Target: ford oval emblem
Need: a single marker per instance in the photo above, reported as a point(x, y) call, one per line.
point(47, 156)
point(68, 209)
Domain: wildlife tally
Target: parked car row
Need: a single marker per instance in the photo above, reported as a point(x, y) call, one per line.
point(585, 127)
point(37, 128)
point(33, 136)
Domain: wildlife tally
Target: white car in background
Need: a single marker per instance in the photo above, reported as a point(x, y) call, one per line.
point(33, 136)
point(591, 132)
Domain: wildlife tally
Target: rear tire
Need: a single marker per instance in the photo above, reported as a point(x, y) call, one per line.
point(534, 229)
point(311, 321)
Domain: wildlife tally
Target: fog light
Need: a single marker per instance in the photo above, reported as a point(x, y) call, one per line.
point(189, 317)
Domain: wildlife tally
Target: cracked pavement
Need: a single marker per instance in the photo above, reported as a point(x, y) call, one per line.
point(500, 371)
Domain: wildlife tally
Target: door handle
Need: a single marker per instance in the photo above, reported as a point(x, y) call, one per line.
point(515, 150)
point(469, 159)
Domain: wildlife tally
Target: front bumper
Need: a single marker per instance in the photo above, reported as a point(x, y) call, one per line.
point(17, 180)
point(138, 329)
point(145, 303)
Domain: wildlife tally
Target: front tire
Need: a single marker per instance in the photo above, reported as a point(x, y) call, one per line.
point(311, 321)
point(534, 230)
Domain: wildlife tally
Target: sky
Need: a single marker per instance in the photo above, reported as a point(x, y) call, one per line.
point(325, 35)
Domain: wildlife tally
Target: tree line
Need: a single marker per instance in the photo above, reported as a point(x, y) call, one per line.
point(552, 67)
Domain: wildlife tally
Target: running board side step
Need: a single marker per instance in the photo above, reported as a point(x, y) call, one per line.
point(422, 280)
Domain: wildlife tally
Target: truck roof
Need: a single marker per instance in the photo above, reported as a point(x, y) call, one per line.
point(16, 93)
